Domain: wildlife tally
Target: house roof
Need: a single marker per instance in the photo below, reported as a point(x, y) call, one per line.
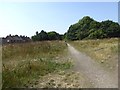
point(9, 37)
point(17, 38)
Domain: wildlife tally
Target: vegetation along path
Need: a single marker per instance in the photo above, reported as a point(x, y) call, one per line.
point(92, 70)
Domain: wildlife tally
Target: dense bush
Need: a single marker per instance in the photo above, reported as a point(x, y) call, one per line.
point(88, 28)
point(47, 36)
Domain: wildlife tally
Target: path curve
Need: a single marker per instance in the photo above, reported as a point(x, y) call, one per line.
point(92, 70)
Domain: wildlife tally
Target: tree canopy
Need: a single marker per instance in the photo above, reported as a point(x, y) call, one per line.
point(85, 28)
point(88, 28)
point(47, 36)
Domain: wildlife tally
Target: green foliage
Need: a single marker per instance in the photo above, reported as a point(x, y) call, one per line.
point(47, 36)
point(43, 35)
point(88, 28)
point(97, 34)
point(40, 36)
point(53, 35)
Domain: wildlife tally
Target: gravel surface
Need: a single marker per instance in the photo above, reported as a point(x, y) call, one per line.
point(98, 76)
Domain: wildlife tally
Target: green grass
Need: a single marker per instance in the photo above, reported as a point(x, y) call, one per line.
point(24, 63)
point(104, 51)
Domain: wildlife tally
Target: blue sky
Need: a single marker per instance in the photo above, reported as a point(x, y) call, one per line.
point(25, 18)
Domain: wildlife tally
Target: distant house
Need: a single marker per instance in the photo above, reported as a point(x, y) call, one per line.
point(9, 39)
point(25, 38)
point(15, 39)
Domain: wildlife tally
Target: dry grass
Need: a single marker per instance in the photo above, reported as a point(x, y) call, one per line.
point(104, 51)
point(32, 50)
point(44, 64)
point(25, 63)
point(62, 80)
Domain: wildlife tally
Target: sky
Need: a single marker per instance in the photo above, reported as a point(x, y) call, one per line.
point(25, 18)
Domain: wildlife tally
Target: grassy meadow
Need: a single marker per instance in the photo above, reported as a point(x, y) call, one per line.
point(104, 51)
point(25, 64)
point(47, 64)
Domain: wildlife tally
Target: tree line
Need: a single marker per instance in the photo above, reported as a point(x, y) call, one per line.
point(88, 28)
point(85, 28)
point(47, 36)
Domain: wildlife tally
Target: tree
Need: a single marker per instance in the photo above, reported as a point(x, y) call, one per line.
point(53, 35)
point(47, 36)
point(88, 28)
point(43, 35)
point(40, 36)
point(97, 34)
point(34, 38)
point(37, 33)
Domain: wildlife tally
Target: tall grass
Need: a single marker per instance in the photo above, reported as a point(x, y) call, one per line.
point(24, 63)
point(104, 51)
point(28, 50)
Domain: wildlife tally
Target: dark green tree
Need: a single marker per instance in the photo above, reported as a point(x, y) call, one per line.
point(43, 35)
point(53, 35)
point(88, 28)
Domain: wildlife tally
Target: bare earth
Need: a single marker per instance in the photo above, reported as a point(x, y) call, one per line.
point(98, 76)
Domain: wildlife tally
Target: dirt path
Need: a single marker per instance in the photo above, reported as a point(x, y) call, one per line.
point(92, 70)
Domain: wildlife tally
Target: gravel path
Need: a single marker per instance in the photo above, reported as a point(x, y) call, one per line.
point(97, 75)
